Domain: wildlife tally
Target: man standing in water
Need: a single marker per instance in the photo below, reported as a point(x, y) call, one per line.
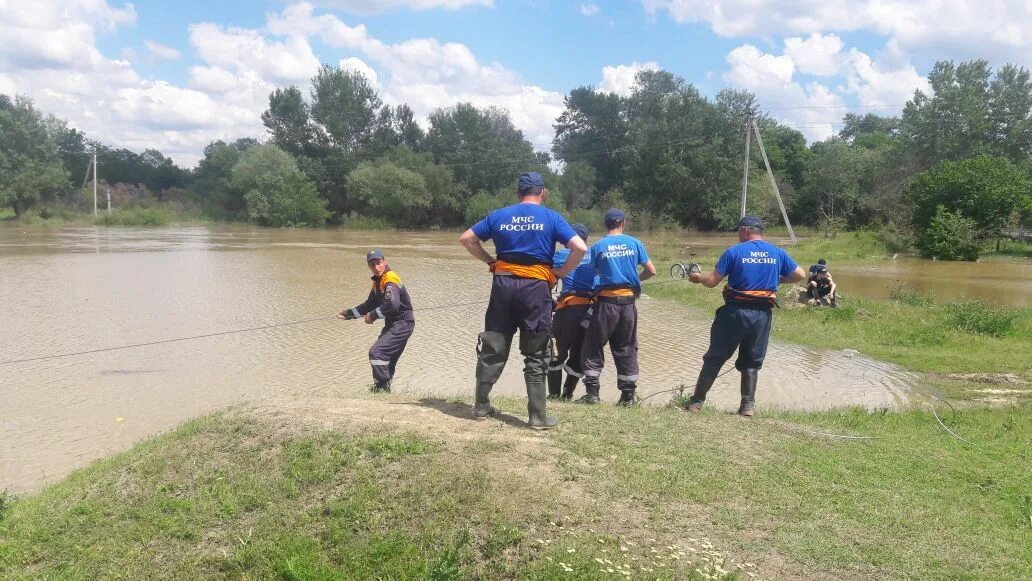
point(616, 257)
point(753, 269)
point(524, 235)
point(570, 311)
point(388, 300)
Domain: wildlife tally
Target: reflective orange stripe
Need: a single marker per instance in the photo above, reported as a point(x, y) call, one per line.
point(571, 301)
point(387, 278)
point(616, 292)
point(533, 271)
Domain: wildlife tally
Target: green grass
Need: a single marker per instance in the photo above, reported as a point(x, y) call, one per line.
point(1010, 248)
point(655, 493)
point(6, 213)
point(932, 338)
point(914, 503)
point(232, 496)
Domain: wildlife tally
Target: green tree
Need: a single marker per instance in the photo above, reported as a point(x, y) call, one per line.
point(578, 185)
point(832, 185)
point(988, 190)
point(30, 164)
point(288, 120)
point(482, 147)
point(345, 108)
point(593, 130)
point(390, 192)
point(949, 236)
point(275, 191)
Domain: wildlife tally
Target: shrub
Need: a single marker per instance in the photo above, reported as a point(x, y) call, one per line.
point(974, 316)
point(950, 236)
point(902, 292)
point(134, 217)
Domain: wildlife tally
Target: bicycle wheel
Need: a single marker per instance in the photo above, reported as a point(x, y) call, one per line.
point(678, 272)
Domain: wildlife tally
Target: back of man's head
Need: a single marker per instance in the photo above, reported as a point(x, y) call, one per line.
point(531, 184)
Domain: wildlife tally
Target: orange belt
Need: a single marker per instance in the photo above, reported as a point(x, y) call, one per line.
point(756, 296)
point(532, 271)
point(571, 301)
point(616, 292)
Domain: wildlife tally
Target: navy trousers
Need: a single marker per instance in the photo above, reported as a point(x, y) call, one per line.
point(569, 339)
point(615, 322)
point(742, 327)
point(385, 353)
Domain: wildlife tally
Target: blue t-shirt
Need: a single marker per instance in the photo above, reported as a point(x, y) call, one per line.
point(582, 278)
point(616, 258)
point(755, 265)
point(524, 233)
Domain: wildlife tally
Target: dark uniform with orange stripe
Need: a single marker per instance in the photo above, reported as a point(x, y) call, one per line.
point(525, 236)
point(569, 321)
point(753, 269)
point(616, 258)
point(388, 300)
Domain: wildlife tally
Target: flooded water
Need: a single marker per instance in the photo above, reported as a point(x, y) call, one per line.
point(81, 289)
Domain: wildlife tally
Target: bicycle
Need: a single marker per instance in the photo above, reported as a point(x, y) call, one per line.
point(681, 269)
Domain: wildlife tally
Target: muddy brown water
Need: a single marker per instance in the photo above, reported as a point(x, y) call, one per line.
point(77, 289)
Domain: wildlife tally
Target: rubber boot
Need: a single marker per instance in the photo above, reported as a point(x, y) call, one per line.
point(627, 389)
point(702, 386)
point(534, 347)
point(591, 388)
point(749, 377)
point(381, 387)
point(555, 383)
point(569, 387)
point(492, 353)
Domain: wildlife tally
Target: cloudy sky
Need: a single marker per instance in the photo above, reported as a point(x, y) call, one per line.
point(177, 75)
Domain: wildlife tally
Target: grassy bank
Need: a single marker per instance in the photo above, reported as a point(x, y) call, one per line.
point(946, 339)
point(407, 488)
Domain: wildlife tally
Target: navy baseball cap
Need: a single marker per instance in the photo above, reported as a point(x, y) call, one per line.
point(614, 217)
point(374, 255)
point(750, 222)
point(531, 179)
point(581, 231)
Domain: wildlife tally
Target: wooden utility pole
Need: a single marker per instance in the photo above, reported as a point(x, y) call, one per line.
point(745, 171)
point(773, 182)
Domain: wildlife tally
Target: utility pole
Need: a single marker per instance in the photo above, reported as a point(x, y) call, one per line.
point(108, 200)
point(745, 171)
point(773, 183)
point(94, 182)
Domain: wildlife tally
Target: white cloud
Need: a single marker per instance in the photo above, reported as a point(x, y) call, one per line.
point(620, 79)
point(817, 108)
point(359, 65)
point(589, 9)
point(377, 6)
point(819, 54)
point(939, 28)
point(162, 52)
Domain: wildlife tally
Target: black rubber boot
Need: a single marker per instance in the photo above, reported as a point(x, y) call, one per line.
point(627, 389)
point(749, 377)
point(569, 387)
point(555, 383)
point(492, 353)
point(591, 388)
point(702, 386)
point(534, 347)
point(383, 387)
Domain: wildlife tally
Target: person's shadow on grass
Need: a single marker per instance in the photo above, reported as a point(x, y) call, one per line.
point(464, 411)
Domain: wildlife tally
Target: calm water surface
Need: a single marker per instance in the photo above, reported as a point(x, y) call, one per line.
point(77, 289)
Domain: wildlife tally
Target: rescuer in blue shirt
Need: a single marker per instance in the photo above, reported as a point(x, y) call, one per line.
point(753, 268)
point(524, 236)
point(616, 257)
point(570, 311)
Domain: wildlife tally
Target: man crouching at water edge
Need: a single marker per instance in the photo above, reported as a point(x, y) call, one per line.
point(388, 300)
point(524, 235)
point(753, 269)
point(569, 321)
point(616, 257)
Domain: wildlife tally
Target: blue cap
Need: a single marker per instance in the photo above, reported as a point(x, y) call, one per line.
point(581, 231)
point(374, 255)
point(614, 217)
point(531, 179)
point(750, 222)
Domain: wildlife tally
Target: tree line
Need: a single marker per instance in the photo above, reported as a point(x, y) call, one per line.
point(957, 159)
